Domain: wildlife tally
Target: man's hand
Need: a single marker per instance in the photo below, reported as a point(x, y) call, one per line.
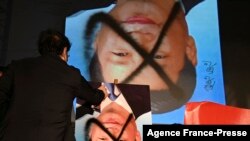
point(104, 89)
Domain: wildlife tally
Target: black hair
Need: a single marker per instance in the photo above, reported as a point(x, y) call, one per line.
point(52, 41)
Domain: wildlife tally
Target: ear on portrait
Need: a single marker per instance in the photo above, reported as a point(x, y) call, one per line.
point(191, 51)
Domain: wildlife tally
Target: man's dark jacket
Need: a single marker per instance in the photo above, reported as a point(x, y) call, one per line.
point(41, 92)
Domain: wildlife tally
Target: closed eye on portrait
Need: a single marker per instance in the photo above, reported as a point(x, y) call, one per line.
point(120, 56)
point(159, 56)
point(120, 53)
point(102, 138)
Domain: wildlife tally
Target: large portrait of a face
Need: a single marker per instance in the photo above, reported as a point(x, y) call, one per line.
point(172, 46)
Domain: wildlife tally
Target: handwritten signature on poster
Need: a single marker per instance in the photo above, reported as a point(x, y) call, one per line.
point(209, 78)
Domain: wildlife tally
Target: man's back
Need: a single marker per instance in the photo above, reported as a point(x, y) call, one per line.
point(40, 92)
point(42, 99)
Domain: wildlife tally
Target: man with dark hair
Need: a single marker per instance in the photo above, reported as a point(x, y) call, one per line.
point(41, 91)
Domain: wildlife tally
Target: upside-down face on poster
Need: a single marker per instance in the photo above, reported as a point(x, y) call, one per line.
point(172, 46)
point(125, 103)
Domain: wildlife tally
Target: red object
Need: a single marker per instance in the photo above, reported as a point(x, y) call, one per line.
point(213, 113)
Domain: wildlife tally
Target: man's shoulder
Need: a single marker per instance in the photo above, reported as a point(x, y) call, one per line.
point(74, 69)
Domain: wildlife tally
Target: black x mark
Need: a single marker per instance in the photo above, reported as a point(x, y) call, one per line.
point(148, 57)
